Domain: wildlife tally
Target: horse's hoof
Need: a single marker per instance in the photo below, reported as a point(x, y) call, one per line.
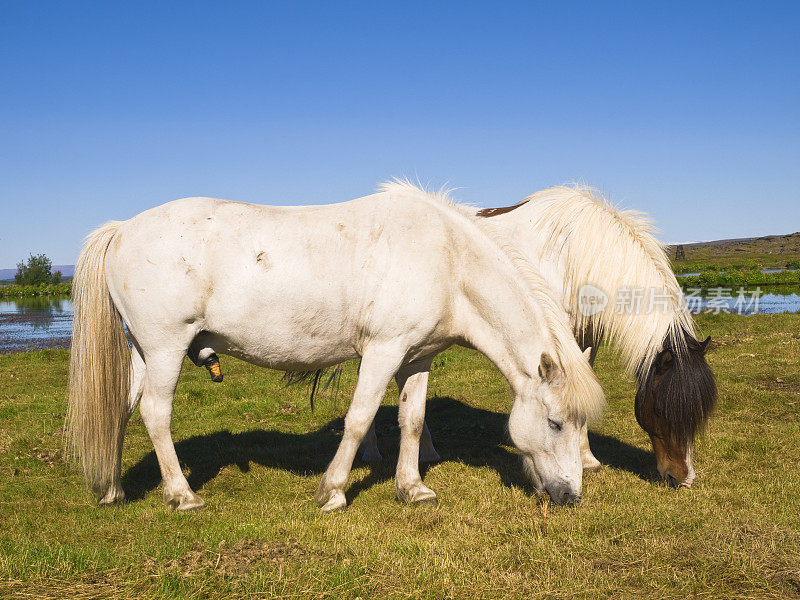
point(113, 496)
point(418, 494)
point(432, 500)
point(193, 503)
point(187, 501)
point(337, 501)
point(591, 464)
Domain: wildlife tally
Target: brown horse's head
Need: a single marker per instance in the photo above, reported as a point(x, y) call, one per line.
point(674, 400)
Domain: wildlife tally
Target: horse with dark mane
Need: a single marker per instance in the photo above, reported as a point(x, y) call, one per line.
point(614, 279)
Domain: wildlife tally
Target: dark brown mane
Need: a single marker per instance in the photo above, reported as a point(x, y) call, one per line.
point(493, 212)
point(686, 393)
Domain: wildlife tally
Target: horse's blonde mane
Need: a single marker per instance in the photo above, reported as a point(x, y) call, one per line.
point(584, 394)
point(613, 250)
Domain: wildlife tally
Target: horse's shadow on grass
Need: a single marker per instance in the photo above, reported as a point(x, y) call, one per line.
point(461, 433)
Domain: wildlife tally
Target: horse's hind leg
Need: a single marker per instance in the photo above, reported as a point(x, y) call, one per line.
point(160, 380)
point(427, 451)
point(368, 450)
point(377, 367)
point(413, 384)
point(115, 493)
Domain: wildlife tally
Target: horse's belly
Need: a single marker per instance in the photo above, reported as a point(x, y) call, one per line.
point(274, 345)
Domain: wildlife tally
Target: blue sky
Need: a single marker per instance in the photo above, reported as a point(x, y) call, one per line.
point(688, 111)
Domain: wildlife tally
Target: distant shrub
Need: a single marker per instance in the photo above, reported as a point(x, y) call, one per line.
point(37, 271)
point(692, 267)
point(42, 289)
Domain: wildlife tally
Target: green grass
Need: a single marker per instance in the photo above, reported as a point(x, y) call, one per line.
point(255, 452)
point(739, 277)
point(772, 251)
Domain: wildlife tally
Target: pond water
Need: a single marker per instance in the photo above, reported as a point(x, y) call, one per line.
point(46, 321)
point(745, 300)
point(32, 323)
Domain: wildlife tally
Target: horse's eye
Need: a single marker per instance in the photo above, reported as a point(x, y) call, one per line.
point(554, 425)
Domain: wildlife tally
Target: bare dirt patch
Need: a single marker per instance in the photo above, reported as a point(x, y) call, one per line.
point(786, 383)
point(229, 560)
point(5, 441)
point(55, 589)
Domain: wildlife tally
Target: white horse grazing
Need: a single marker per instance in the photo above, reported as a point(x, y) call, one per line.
point(614, 279)
point(394, 278)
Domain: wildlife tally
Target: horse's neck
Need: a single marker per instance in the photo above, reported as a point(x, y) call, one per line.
point(503, 323)
point(517, 229)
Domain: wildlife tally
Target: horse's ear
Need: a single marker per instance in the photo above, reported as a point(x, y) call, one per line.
point(704, 344)
point(549, 371)
point(588, 353)
point(664, 361)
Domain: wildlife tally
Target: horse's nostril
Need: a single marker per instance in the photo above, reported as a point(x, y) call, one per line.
point(671, 481)
point(567, 498)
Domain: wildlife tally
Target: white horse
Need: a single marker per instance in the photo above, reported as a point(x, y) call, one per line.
point(393, 278)
point(600, 262)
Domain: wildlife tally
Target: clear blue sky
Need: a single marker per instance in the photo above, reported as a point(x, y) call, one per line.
point(688, 111)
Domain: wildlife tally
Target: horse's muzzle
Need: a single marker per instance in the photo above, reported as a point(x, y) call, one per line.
point(562, 494)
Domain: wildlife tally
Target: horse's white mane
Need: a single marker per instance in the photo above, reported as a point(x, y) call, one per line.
point(614, 250)
point(584, 391)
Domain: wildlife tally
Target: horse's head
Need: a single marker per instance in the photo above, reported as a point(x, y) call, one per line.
point(674, 400)
point(547, 430)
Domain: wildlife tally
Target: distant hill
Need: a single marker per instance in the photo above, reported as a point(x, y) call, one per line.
point(770, 250)
point(66, 271)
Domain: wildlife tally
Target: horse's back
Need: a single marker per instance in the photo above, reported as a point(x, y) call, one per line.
point(365, 267)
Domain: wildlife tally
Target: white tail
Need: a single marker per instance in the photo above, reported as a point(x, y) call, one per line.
point(99, 368)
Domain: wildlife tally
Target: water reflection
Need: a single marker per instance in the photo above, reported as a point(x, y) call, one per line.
point(40, 311)
point(767, 299)
point(38, 322)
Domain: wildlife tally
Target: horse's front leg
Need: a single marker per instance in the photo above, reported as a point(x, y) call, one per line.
point(412, 381)
point(590, 462)
point(377, 367)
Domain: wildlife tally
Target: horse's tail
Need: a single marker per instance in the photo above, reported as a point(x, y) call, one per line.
point(99, 367)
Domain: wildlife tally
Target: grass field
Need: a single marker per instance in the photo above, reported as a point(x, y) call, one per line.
point(768, 251)
point(255, 452)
